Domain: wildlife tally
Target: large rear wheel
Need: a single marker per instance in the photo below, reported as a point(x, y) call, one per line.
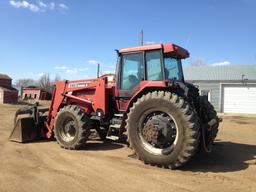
point(72, 127)
point(207, 114)
point(163, 129)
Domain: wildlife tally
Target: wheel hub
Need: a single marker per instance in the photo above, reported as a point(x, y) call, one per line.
point(68, 132)
point(150, 132)
point(159, 130)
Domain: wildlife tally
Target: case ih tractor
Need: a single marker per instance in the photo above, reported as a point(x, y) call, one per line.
point(164, 117)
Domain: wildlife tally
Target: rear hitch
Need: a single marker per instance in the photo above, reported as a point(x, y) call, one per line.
point(31, 127)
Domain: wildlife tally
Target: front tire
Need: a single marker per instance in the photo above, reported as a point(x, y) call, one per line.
point(72, 127)
point(163, 129)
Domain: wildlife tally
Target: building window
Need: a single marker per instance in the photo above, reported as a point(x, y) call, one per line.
point(206, 93)
point(35, 96)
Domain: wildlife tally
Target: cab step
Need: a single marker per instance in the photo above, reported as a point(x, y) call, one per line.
point(114, 127)
point(113, 138)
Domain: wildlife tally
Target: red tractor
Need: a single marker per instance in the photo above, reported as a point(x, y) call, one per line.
point(164, 117)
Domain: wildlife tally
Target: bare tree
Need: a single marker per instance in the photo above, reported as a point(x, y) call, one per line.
point(21, 83)
point(197, 62)
point(45, 82)
point(25, 82)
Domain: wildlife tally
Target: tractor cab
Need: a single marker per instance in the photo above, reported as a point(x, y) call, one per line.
point(149, 63)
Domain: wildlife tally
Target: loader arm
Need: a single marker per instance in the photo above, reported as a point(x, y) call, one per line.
point(57, 98)
point(90, 95)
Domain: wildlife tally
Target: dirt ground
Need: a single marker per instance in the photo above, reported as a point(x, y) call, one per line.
point(44, 166)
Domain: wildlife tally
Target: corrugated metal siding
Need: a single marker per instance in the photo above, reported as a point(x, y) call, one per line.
point(214, 91)
point(220, 73)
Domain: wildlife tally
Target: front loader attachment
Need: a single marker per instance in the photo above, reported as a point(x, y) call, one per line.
point(30, 126)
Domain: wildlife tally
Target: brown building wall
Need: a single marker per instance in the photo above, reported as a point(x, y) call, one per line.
point(10, 96)
point(6, 82)
point(45, 96)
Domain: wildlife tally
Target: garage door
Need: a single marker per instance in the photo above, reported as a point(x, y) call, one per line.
point(239, 99)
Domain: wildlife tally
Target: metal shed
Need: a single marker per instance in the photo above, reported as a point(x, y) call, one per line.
point(230, 88)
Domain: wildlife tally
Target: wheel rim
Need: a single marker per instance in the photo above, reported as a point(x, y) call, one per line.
point(68, 130)
point(158, 132)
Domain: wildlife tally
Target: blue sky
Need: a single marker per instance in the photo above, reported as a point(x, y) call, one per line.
point(67, 37)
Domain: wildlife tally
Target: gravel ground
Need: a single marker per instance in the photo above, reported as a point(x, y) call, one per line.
point(44, 166)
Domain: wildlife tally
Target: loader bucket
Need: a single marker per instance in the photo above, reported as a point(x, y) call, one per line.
point(30, 127)
point(25, 130)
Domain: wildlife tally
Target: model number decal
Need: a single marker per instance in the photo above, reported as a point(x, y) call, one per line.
point(80, 84)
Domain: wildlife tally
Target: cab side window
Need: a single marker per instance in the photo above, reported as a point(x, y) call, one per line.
point(132, 71)
point(153, 62)
point(172, 68)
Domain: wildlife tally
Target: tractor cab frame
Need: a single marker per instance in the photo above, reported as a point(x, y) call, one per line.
point(145, 67)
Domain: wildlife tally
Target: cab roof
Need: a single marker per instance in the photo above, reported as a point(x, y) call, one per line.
point(167, 48)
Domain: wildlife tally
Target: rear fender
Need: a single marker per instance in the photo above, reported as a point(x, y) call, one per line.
point(145, 87)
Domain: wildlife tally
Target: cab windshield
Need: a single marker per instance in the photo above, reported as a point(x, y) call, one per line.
point(173, 68)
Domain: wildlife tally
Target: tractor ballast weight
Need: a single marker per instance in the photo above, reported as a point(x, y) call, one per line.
point(164, 117)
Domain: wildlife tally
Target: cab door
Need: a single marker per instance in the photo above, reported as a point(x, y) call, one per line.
point(134, 68)
point(129, 75)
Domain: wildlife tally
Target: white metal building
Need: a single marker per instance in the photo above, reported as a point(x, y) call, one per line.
point(230, 88)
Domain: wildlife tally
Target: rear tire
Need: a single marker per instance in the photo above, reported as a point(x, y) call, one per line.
point(207, 113)
point(186, 123)
point(72, 127)
point(212, 114)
